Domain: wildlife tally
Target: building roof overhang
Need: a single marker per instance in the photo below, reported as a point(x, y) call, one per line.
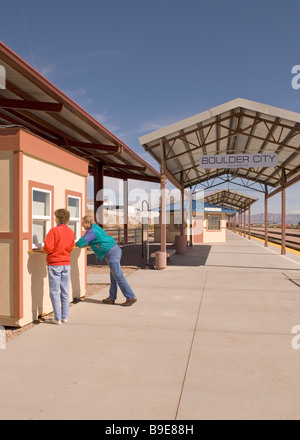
point(236, 127)
point(230, 199)
point(30, 101)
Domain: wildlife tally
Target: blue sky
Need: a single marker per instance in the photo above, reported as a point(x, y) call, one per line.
point(138, 65)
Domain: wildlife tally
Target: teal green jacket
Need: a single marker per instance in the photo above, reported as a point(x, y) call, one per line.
point(99, 241)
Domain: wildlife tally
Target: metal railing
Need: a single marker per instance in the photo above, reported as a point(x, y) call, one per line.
point(134, 236)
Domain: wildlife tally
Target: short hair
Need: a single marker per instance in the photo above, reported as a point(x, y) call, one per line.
point(88, 219)
point(63, 215)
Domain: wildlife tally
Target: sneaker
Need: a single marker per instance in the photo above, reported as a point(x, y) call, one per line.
point(108, 301)
point(54, 321)
point(64, 321)
point(129, 302)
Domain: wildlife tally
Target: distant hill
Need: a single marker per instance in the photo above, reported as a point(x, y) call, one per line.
point(290, 219)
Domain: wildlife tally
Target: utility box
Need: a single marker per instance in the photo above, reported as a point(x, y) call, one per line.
point(36, 178)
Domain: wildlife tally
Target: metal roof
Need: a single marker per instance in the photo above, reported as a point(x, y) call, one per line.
point(238, 126)
point(198, 206)
point(230, 199)
point(29, 100)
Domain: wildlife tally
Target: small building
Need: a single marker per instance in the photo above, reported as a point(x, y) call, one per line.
point(209, 222)
point(37, 178)
point(48, 146)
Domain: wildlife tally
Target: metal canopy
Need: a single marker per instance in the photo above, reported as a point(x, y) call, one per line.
point(239, 126)
point(31, 101)
point(230, 199)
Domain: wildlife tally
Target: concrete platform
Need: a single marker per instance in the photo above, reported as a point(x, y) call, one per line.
point(209, 338)
point(98, 278)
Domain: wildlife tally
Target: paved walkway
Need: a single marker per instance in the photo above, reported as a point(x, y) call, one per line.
point(209, 338)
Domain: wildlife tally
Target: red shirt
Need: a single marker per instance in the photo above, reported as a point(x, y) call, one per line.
point(59, 243)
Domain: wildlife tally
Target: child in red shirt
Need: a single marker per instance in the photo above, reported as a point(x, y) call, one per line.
point(59, 243)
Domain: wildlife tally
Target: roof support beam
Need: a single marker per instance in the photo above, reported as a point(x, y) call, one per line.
point(90, 145)
point(123, 166)
point(287, 184)
point(31, 105)
point(120, 175)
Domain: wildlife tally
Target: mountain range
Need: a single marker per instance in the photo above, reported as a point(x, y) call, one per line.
point(290, 219)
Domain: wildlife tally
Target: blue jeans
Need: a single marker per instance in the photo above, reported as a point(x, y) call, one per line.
point(59, 280)
point(117, 278)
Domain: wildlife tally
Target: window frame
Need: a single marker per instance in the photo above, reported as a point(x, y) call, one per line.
point(38, 186)
point(75, 195)
point(214, 229)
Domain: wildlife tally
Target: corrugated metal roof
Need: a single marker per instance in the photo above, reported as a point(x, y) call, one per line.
point(236, 127)
point(198, 206)
point(31, 101)
point(230, 199)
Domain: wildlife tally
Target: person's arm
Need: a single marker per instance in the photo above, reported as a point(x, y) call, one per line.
point(86, 238)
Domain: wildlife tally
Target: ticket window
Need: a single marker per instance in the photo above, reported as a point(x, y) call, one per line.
point(74, 207)
point(41, 216)
point(214, 223)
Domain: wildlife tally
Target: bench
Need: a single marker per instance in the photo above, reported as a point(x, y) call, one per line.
point(170, 252)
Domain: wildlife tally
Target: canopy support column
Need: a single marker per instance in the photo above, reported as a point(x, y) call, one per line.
point(266, 216)
point(182, 212)
point(241, 228)
point(161, 257)
point(249, 222)
point(191, 217)
point(125, 205)
point(283, 208)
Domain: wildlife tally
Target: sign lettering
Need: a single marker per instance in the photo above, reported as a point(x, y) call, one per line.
point(239, 161)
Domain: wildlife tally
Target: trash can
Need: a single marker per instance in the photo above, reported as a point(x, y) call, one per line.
point(160, 260)
point(180, 244)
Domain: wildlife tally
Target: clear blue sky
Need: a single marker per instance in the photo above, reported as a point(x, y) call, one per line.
point(138, 65)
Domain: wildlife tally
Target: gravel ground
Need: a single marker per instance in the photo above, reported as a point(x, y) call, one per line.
point(12, 332)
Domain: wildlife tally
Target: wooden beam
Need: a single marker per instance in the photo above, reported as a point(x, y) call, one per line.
point(31, 105)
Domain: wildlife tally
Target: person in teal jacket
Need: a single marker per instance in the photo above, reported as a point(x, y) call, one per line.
point(105, 248)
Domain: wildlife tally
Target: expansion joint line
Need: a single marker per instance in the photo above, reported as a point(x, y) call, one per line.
point(191, 346)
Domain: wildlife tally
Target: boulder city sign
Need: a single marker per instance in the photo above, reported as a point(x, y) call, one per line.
point(239, 160)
